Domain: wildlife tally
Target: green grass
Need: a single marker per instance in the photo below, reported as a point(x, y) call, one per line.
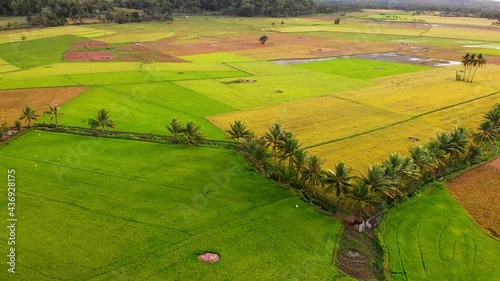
point(486, 51)
point(265, 90)
point(101, 209)
point(36, 82)
point(145, 108)
point(432, 238)
point(37, 52)
point(362, 68)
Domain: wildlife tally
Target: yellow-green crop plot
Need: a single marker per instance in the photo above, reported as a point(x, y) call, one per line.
point(468, 115)
point(258, 91)
point(376, 146)
point(266, 68)
point(358, 28)
point(487, 51)
point(30, 34)
point(419, 93)
point(7, 67)
point(314, 120)
point(464, 33)
point(135, 37)
point(217, 57)
point(74, 68)
point(456, 20)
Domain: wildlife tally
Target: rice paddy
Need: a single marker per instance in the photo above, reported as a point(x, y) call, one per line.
point(170, 203)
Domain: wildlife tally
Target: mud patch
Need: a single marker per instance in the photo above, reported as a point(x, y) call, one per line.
point(12, 102)
point(478, 191)
point(88, 56)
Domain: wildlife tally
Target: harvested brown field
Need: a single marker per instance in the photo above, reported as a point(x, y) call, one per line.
point(12, 102)
point(86, 45)
point(478, 191)
point(88, 56)
point(279, 46)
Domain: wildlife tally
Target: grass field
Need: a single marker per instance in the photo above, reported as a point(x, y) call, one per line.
point(431, 237)
point(37, 52)
point(145, 108)
point(362, 68)
point(135, 217)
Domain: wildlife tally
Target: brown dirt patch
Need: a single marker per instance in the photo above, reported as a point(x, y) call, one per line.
point(12, 102)
point(280, 45)
point(478, 191)
point(87, 45)
point(88, 56)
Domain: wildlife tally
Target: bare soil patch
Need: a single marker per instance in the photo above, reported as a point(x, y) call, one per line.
point(12, 102)
point(280, 45)
point(89, 56)
point(478, 191)
point(87, 45)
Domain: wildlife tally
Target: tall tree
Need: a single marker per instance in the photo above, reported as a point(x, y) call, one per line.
point(103, 120)
point(273, 139)
point(29, 114)
point(479, 62)
point(193, 133)
point(377, 181)
point(238, 130)
point(288, 147)
point(312, 173)
point(176, 128)
point(54, 113)
point(363, 198)
point(338, 181)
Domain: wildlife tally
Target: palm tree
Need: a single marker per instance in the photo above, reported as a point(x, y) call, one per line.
point(288, 147)
point(436, 153)
point(487, 133)
point(29, 115)
point(338, 181)
point(273, 138)
point(494, 116)
point(176, 128)
point(377, 181)
point(256, 152)
point(3, 129)
point(465, 62)
point(238, 130)
point(472, 63)
point(300, 159)
point(480, 62)
point(103, 120)
point(193, 133)
point(401, 170)
point(460, 141)
point(363, 198)
point(311, 173)
point(54, 112)
point(423, 159)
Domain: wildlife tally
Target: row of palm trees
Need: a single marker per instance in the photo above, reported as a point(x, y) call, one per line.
point(471, 62)
point(279, 155)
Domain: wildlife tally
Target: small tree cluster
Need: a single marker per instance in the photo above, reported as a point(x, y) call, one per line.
point(470, 62)
point(190, 134)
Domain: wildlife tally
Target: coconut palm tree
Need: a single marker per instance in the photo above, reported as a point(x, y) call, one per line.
point(400, 169)
point(273, 139)
point(436, 153)
point(377, 181)
point(472, 63)
point(423, 159)
point(479, 62)
point(460, 142)
point(362, 198)
point(338, 181)
point(487, 133)
point(193, 133)
point(466, 62)
point(176, 128)
point(55, 113)
point(256, 152)
point(238, 130)
point(288, 147)
point(300, 159)
point(312, 172)
point(103, 120)
point(494, 116)
point(29, 115)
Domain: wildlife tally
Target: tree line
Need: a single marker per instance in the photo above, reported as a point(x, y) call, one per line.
point(279, 155)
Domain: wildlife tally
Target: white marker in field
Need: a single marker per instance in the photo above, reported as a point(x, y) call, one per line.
point(296, 206)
